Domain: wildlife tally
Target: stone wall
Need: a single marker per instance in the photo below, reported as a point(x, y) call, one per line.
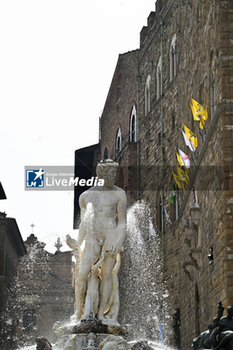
point(204, 66)
point(196, 249)
point(120, 100)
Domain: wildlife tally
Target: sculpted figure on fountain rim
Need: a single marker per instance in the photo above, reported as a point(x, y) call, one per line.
point(103, 225)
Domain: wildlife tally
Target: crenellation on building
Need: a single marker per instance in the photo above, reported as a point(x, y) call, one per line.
point(151, 20)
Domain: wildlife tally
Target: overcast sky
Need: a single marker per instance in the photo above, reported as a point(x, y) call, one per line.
point(57, 59)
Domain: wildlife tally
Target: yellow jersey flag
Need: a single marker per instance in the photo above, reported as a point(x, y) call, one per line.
point(191, 136)
point(199, 109)
point(197, 117)
point(179, 159)
point(199, 112)
point(179, 184)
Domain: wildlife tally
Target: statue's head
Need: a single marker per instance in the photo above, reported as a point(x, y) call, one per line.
point(230, 311)
point(107, 170)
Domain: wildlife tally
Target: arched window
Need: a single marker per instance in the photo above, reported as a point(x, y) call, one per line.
point(158, 78)
point(173, 58)
point(147, 95)
point(132, 125)
point(105, 153)
point(118, 141)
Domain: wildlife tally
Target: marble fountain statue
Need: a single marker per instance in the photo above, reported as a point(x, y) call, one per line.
point(103, 224)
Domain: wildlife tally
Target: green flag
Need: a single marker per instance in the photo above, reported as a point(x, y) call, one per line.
point(172, 194)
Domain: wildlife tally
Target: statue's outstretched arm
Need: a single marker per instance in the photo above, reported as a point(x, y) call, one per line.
point(71, 242)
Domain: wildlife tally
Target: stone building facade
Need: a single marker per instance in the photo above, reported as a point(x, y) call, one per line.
point(45, 292)
point(186, 51)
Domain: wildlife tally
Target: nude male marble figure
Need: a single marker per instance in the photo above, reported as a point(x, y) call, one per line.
point(103, 221)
